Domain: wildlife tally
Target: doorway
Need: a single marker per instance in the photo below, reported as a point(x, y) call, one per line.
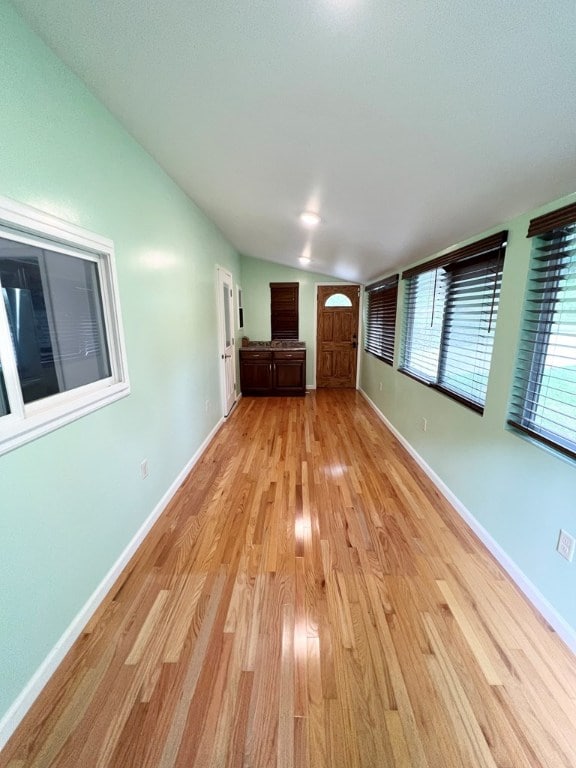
point(226, 341)
point(337, 316)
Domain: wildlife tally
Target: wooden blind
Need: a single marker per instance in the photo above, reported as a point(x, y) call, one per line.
point(381, 319)
point(485, 246)
point(284, 310)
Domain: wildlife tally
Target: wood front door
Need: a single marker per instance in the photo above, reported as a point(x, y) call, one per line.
point(337, 335)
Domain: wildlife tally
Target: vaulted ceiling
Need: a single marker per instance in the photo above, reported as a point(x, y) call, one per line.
point(408, 125)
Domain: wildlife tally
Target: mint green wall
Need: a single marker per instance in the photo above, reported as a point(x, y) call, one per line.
point(256, 278)
point(521, 493)
point(71, 501)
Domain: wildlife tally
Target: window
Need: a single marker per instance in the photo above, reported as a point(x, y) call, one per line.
point(337, 300)
point(284, 310)
point(381, 318)
point(544, 392)
point(450, 315)
point(61, 349)
point(240, 307)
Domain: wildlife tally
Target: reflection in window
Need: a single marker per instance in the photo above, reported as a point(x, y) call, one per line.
point(56, 319)
point(61, 346)
point(4, 407)
point(338, 300)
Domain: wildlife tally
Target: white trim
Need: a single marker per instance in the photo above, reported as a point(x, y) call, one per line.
point(19, 432)
point(23, 224)
point(531, 592)
point(224, 276)
point(234, 406)
point(27, 219)
point(33, 688)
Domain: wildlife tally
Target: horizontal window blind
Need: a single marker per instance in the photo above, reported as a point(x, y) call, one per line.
point(381, 319)
point(544, 391)
point(423, 319)
point(473, 293)
point(450, 318)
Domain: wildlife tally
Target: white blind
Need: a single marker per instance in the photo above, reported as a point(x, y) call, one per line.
point(423, 318)
point(544, 393)
point(450, 319)
point(472, 297)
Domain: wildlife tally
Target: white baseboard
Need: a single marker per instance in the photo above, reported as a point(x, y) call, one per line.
point(550, 614)
point(24, 701)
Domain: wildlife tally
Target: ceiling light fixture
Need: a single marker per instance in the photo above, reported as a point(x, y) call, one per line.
point(310, 219)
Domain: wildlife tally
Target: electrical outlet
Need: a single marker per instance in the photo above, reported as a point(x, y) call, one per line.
point(566, 545)
point(207, 406)
point(424, 425)
point(380, 386)
point(144, 469)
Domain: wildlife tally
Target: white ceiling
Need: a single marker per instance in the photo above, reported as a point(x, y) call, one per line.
point(408, 124)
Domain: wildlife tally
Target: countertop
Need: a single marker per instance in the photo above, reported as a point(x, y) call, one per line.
point(275, 344)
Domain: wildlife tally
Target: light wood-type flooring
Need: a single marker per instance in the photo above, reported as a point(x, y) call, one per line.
point(308, 599)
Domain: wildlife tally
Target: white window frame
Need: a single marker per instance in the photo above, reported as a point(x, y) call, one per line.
point(239, 306)
point(26, 422)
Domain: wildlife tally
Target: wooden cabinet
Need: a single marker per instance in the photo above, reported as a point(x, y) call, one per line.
point(255, 371)
point(273, 371)
point(289, 372)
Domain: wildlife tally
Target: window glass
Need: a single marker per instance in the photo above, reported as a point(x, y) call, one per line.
point(544, 395)
point(472, 297)
point(61, 343)
point(338, 300)
point(4, 407)
point(226, 296)
point(423, 324)
point(56, 319)
point(451, 305)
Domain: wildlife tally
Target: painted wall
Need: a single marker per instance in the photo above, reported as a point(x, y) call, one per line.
point(521, 493)
point(256, 278)
point(71, 501)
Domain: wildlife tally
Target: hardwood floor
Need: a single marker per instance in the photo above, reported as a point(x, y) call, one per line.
point(308, 599)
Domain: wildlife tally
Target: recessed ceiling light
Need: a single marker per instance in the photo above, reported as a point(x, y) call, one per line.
point(310, 219)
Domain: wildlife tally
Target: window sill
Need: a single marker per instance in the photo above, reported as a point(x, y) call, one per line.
point(443, 391)
point(16, 432)
point(540, 441)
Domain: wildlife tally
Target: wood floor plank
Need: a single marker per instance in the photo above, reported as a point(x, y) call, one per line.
point(308, 600)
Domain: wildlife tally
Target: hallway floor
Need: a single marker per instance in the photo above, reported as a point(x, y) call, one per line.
point(308, 599)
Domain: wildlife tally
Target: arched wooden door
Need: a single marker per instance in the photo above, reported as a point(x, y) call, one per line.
point(337, 335)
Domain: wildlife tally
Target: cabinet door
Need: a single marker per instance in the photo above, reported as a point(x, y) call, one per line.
point(289, 373)
point(256, 374)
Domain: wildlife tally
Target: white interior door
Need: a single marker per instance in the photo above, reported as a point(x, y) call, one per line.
point(227, 356)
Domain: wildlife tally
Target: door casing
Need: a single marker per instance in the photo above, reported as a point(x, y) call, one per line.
point(226, 344)
point(336, 286)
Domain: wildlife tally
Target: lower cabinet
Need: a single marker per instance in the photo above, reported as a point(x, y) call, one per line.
point(255, 372)
point(273, 372)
